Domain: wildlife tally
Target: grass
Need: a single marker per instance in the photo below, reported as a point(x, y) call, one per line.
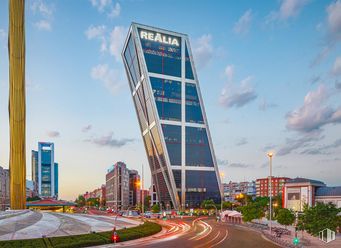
point(84, 240)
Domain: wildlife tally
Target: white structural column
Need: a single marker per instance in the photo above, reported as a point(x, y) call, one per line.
point(183, 125)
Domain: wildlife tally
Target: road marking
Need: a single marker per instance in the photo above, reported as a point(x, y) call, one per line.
point(205, 245)
point(226, 234)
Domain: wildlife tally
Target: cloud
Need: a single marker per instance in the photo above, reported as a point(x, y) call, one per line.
point(112, 79)
point(109, 141)
point(53, 134)
point(98, 32)
point(86, 128)
point(223, 162)
point(116, 11)
point(95, 31)
point(338, 85)
point(242, 26)
point(240, 165)
point(264, 105)
point(116, 41)
point(315, 79)
point(112, 10)
point(336, 70)
point(43, 25)
point(287, 10)
point(306, 140)
point(313, 114)
point(269, 147)
point(334, 20)
point(101, 5)
point(323, 150)
point(203, 50)
point(237, 96)
point(3, 34)
point(41, 7)
point(333, 32)
point(241, 141)
point(44, 12)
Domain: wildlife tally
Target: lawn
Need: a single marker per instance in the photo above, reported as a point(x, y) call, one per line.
point(84, 240)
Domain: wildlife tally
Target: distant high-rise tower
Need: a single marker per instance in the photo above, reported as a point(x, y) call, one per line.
point(46, 175)
point(170, 110)
point(17, 108)
point(34, 170)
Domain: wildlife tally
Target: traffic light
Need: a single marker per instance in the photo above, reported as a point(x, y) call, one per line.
point(296, 240)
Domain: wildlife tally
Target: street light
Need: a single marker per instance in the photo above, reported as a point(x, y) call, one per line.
point(270, 155)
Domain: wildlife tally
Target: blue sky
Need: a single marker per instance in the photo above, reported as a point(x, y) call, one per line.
point(269, 73)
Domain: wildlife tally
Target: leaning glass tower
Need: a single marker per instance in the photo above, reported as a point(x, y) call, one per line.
point(166, 93)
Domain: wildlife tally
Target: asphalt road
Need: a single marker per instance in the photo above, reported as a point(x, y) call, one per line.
point(201, 233)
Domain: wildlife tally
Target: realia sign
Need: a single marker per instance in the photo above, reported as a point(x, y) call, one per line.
point(157, 37)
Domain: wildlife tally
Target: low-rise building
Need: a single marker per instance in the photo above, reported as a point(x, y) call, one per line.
point(263, 186)
point(4, 188)
point(232, 189)
point(298, 192)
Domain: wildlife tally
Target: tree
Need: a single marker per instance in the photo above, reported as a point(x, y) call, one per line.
point(227, 205)
point(34, 198)
point(251, 211)
point(285, 217)
point(92, 202)
point(207, 204)
point(80, 201)
point(156, 208)
point(319, 217)
point(147, 202)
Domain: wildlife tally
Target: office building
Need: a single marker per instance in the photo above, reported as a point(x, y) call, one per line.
point(117, 186)
point(134, 187)
point(45, 170)
point(153, 195)
point(173, 124)
point(34, 170)
point(299, 192)
point(233, 189)
point(263, 186)
point(4, 188)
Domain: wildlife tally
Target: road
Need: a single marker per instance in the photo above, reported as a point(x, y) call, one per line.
point(201, 233)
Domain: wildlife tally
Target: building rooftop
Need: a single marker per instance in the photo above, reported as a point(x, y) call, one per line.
point(328, 191)
point(304, 180)
point(49, 202)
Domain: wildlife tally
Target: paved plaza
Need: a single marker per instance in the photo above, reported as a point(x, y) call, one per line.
point(29, 224)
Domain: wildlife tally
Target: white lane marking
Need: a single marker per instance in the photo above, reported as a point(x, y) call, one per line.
point(221, 240)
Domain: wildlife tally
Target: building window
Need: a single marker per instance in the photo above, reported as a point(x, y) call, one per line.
point(198, 152)
point(162, 58)
point(172, 135)
point(193, 109)
point(167, 94)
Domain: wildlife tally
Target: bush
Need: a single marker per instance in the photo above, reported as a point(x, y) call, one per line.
point(25, 243)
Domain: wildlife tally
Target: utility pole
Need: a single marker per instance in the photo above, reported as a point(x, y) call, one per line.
point(142, 192)
point(270, 154)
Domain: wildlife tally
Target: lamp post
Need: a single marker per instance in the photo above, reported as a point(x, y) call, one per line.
point(270, 155)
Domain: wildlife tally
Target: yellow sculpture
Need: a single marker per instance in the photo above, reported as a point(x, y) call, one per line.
point(17, 108)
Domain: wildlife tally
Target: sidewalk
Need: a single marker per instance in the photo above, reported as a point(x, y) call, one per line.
point(306, 240)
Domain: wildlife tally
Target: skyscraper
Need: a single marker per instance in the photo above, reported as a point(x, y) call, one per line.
point(46, 174)
point(34, 170)
point(173, 123)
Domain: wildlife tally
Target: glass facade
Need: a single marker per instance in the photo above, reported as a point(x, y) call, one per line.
point(167, 95)
point(170, 113)
point(198, 151)
point(193, 109)
point(47, 179)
